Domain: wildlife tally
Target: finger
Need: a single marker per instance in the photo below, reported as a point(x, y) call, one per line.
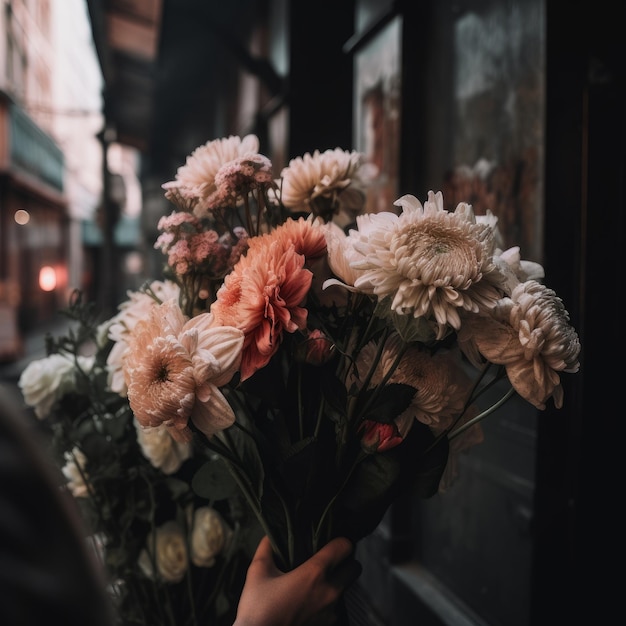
point(334, 552)
point(264, 555)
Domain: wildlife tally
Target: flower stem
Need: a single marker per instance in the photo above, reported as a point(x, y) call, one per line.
point(318, 530)
point(243, 482)
point(481, 416)
point(256, 508)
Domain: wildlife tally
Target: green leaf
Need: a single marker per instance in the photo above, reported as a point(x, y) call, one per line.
point(249, 458)
point(213, 481)
point(117, 426)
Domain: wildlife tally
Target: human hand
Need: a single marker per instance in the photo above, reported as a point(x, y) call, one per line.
point(305, 595)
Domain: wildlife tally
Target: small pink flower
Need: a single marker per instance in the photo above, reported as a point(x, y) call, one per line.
point(239, 177)
point(204, 245)
point(179, 257)
point(176, 219)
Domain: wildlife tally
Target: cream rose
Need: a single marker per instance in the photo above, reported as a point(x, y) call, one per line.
point(171, 558)
point(210, 535)
point(163, 452)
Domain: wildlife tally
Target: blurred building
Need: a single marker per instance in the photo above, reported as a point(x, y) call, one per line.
point(50, 159)
point(516, 107)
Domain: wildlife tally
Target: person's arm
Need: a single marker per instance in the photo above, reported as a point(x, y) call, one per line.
point(47, 574)
point(305, 595)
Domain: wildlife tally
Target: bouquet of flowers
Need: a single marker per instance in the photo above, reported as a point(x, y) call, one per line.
point(320, 360)
point(172, 555)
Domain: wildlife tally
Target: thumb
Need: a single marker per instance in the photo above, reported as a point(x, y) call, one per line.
point(263, 559)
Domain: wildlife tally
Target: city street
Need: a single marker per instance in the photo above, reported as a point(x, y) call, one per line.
point(34, 348)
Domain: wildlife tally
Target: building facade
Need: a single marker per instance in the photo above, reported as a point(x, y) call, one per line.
point(50, 158)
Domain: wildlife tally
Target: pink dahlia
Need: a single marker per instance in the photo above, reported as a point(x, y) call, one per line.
point(262, 296)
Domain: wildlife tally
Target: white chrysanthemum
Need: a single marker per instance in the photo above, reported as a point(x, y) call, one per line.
point(210, 536)
point(509, 264)
point(432, 263)
point(530, 334)
point(161, 449)
point(514, 269)
point(196, 179)
point(321, 177)
point(441, 386)
point(340, 254)
point(121, 325)
point(492, 221)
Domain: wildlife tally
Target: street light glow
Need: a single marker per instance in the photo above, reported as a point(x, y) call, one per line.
point(21, 217)
point(47, 278)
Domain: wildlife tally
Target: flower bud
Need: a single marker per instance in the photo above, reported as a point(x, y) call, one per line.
point(378, 437)
point(316, 349)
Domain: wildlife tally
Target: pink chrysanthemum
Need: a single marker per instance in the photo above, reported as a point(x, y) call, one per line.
point(174, 367)
point(341, 253)
point(131, 311)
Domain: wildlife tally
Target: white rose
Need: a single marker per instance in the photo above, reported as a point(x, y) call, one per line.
point(158, 446)
point(47, 380)
point(210, 535)
point(74, 472)
point(171, 557)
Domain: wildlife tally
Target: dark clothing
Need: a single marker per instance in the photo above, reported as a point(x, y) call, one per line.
point(47, 574)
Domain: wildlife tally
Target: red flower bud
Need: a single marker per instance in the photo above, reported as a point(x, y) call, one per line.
point(378, 437)
point(317, 349)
